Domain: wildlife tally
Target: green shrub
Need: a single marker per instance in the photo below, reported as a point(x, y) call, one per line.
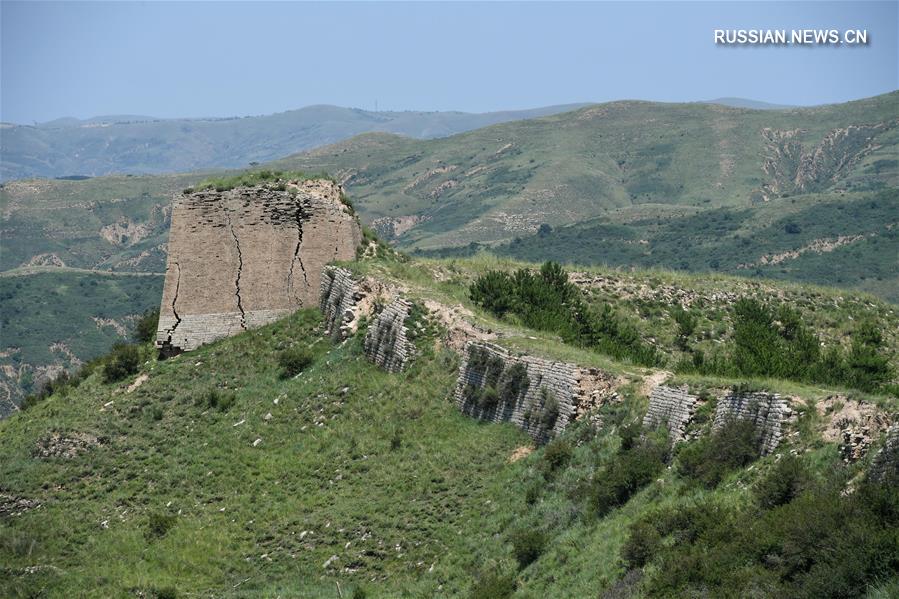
point(629, 471)
point(396, 440)
point(293, 361)
point(642, 544)
point(488, 398)
point(213, 399)
point(709, 459)
point(774, 342)
point(547, 301)
point(782, 484)
point(556, 454)
point(121, 363)
point(528, 544)
point(159, 524)
point(491, 583)
point(822, 543)
point(146, 325)
point(360, 593)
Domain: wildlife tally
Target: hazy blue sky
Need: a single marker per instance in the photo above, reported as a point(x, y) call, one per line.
point(233, 58)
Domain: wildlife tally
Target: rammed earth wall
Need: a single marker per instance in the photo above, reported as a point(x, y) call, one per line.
point(672, 408)
point(540, 396)
point(241, 258)
point(885, 465)
point(386, 341)
point(767, 411)
point(339, 301)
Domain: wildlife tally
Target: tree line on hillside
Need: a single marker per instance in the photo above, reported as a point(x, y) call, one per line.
point(767, 341)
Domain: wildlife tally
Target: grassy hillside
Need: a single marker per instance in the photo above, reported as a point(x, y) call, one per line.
point(211, 474)
point(54, 319)
point(140, 145)
point(506, 180)
point(804, 195)
point(843, 240)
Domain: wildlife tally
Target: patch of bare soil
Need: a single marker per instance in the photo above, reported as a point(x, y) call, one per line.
point(853, 424)
point(520, 453)
point(58, 445)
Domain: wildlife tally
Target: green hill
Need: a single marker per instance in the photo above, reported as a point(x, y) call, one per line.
point(805, 195)
point(213, 474)
point(139, 144)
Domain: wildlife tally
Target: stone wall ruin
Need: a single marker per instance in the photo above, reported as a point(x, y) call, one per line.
point(387, 342)
point(244, 257)
point(767, 411)
point(672, 408)
point(540, 396)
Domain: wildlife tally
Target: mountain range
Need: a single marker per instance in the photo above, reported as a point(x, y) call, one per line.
point(71, 147)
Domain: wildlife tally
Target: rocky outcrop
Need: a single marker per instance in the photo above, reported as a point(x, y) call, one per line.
point(245, 257)
point(539, 396)
point(767, 411)
point(387, 342)
point(885, 465)
point(672, 408)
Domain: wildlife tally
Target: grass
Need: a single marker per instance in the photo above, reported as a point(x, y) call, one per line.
point(252, 178)
point(49, 314)
point(326, 464)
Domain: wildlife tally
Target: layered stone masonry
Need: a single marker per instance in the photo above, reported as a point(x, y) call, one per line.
point(339, 302)
point(245, 257)
point(387, 343)
point(767, 411)
point(672, 408)
point(885, 465)
point(540, 396)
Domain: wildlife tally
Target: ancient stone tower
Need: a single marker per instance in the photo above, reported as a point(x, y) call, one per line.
point(241, 258)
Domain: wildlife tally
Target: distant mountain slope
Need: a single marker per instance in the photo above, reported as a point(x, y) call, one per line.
point(747, 103)
point(140, 144)
point(504, 181)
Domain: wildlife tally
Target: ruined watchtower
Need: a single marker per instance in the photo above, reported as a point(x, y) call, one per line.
point(246, 256)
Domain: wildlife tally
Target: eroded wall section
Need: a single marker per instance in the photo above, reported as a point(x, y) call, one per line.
point(242, 258)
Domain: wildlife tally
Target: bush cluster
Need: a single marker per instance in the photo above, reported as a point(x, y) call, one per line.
point(774, 342)
point(213, 399)
point(547, 301)
point(802, 538)
point(247, 179)
point(709, 459)
point(634, 466)
point(122, 362)
point(293, 361)
point(146, 325)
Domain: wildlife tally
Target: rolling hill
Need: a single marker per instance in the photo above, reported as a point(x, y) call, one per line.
point(214, 473)
point(140, 145)
point(797, 194)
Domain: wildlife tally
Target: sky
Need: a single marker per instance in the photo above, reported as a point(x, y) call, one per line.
point(197, 59)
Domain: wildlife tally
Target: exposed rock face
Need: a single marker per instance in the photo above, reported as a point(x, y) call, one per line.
point(793, 167)
point(672, 408)
point(386, 340)
point(540, 396)
point(885, 466)
point(242, 258)
point(767, 411)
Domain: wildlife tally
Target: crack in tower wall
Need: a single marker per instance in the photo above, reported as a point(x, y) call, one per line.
point(249, 246)
point(243, 315)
